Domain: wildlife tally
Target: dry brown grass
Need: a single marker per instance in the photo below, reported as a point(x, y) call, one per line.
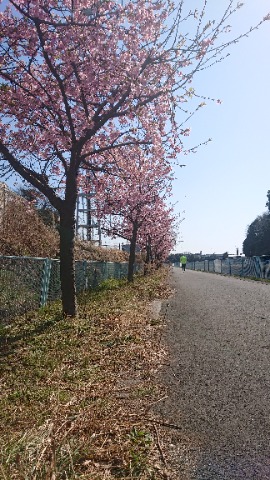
point(76, 395)
point(87, 251)
point(22, 232)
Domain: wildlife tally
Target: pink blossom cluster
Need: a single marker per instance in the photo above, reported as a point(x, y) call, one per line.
point(81, 77)
point(135, 200)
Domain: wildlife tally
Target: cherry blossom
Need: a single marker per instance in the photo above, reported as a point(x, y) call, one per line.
point(80, 80)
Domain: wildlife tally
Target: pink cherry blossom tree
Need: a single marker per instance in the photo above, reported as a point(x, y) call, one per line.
point(127, 200)
point(157, 236)
point(80, 78)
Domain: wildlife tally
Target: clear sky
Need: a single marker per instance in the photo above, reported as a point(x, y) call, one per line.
point(223, 186)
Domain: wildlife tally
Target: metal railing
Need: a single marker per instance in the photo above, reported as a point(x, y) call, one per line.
point(27, 283)
point(256, 267)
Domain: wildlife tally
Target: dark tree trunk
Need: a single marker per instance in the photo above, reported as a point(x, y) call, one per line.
point(148, 255)
point(67, 260)
point(132, 253)
point(67, 265)
point(158, 261)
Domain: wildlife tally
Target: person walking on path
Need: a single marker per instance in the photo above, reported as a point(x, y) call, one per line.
point(183, 261)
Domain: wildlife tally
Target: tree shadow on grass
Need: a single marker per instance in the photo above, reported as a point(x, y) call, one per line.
point(10, 343)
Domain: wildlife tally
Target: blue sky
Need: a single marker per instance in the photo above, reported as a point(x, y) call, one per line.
point(223, 187)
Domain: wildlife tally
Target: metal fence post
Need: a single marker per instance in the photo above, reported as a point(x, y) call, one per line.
point(85, 278)
point(106, 271)
point(95, 281)
point(45, 281)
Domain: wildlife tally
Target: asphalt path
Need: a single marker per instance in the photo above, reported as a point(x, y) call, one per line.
point(218, 377)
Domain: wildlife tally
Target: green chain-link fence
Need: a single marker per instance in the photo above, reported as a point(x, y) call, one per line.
point(27, 283)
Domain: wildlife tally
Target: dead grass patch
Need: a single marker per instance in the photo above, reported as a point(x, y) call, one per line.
point(75, 394)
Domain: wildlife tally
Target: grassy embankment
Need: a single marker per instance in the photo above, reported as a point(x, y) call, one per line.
point(76, 394)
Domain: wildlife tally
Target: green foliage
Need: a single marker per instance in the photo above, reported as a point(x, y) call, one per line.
point(111, 284)
point(257, 241)
point(141, 441)
point(174, 257)
point(268, 201)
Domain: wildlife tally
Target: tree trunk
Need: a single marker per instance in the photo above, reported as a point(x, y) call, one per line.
point(148, 255)
point(67, 261)
point(132, 252)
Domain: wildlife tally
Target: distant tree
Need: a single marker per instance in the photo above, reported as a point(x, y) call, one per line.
point(157, 236)
point(268, 201)
point(131, 203)
point(175, 257)
point(257, 241)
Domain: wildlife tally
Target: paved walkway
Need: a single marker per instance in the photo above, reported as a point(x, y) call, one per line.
point(218, 335)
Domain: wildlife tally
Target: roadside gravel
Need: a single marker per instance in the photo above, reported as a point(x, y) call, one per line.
point(218, 377)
